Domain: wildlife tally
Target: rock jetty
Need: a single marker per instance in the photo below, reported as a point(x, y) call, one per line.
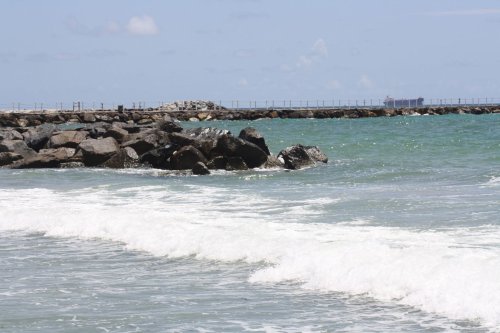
point(163, 145)
point(204, 111)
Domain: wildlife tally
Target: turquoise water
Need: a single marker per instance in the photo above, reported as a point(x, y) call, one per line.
point(399, 232)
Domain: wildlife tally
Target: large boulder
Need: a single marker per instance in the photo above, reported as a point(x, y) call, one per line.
point(230, 146)
point(299, 156)
point(168, 126)
point(250, 134)
point(124, 158)
point(97, 151)
point(145, 141)
point(186, 158)
point(47, 158)
point(10, 134)
point(16, 146)
point(38, 136)
point(116, 132)
point(70, 139)
point(7, 158)
point(159, 158)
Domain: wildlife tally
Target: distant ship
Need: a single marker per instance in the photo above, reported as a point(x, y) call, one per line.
point(403, 103)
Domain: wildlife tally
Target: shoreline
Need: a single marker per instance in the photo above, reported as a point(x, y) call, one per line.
point(146, 116)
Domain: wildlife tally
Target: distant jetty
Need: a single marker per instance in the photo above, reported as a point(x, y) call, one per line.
point(150, 115)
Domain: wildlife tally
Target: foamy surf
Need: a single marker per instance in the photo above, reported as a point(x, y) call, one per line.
point(449, 272)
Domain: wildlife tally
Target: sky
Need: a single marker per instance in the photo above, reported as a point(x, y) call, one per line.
point(121, 51)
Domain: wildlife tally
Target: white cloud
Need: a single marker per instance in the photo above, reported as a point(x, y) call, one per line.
point(142, 25)
point(365, 82)
point(467, 12)
point(317, 52)
point(333, 85)
point(320, 48)
point(243, 82)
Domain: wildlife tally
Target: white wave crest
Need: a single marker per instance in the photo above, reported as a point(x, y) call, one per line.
point(450, 272)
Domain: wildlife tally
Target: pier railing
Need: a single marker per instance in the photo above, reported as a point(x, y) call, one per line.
point(237, 104)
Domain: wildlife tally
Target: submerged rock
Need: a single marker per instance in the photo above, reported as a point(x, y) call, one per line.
point(299, 156)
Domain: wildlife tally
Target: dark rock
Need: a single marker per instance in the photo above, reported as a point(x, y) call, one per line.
point(37, 137)
point(7, 158)
point(250, 134)
point(69, 139)
point(72, 165)
point(186, 158)
point(97, 151)
point(159, 158)
point(295, 157)
point(236, 163)
point(124, 158)
point(205, 145)
point(249, 152)
point(168, 126)
point(37, 161)
point(118, 133)
point(218, 162)
point(200, 169)
point(16, 146)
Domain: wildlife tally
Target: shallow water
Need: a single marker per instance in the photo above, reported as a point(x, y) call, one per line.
point(399, 232)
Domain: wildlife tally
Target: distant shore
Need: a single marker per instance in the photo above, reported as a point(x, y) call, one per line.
point(145, 116)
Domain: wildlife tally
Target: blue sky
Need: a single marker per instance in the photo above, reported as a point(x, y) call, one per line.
point(119, 51)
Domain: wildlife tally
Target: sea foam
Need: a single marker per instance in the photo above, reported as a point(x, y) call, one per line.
point(450, 272)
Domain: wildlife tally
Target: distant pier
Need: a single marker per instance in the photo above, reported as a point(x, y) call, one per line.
point(145, 116)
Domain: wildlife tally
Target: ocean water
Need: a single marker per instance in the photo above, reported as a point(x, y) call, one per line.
point(400, 232)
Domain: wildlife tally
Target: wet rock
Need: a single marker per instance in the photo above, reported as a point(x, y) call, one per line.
point(97, 151)
point(236, 147)
point(200, 169)
point(236, 163)
point(295, 157)
point(7, 158)
point(316, 154)
point(273, 162)
point(38, 136)
point(124, 158)
point(250, 134)
point(69, 139)
point(37, 161)
point(159, 158)
point(218, 162)
point(186, 158)
point(71, 165)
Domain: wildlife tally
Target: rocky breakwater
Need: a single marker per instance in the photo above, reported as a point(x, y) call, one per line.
point(163, 145)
